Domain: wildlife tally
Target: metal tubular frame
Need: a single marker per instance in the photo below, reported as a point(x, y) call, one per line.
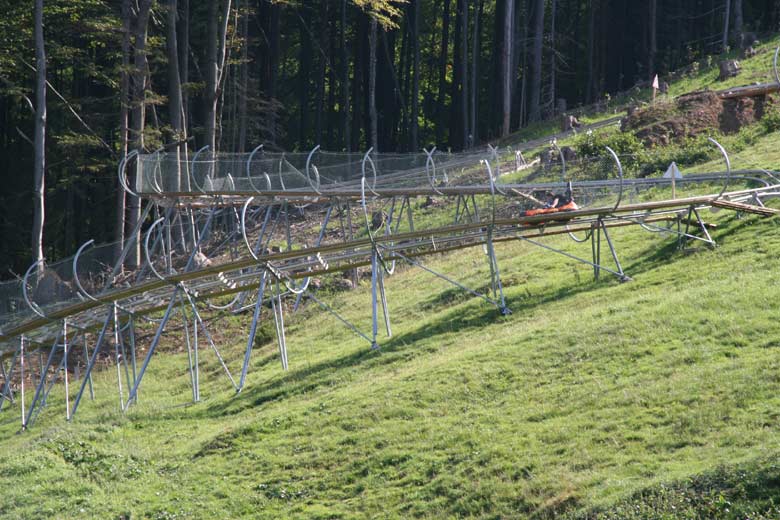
point(246, 276)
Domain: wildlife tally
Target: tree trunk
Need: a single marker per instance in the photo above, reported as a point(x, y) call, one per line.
point(535, 113)
point(475, 52)
point(372, 83)
point(175, 106)
point(184, 61)
point(506, 66)
point(215, 66)
point(464, 67)
point(345, 78)
point(553, 50)
point(653, 45)
point(124, 102)
point(589, 86)
point(726, 19)
point(456, 127)
point(39, 167)
point(445, 37)
point(415, 110)
point(243, 88)
point(738, 20)
point(305, 59)
point(138, 117)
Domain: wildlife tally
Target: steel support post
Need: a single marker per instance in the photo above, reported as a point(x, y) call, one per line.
point(276, 304)
point(253, 330)
point(117, 358)
point(21, 372)
point(167, 316)
point(197, 320)
point(622, 275)
point(88, 377)
point(385, 310)
point(495, 276)
point(65, 367)
point(374, 275)
point(40, 388)
point(91, 365)
point(186, 327)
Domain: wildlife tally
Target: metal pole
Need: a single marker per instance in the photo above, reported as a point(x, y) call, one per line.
point(374, 327)
point(118, 359)
point(189, 351)
point(65, 362)
point(91, 364)
point(21, 370)
point(253, 330)
point(88, 377)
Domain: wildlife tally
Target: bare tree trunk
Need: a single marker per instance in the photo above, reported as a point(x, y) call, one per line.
point(372, 83)
point(535, 112)
point(175, 106)
point(138, 116)
point(345, 78)
point(415, 113)
point(243, 89)
point(475, 48)
point(445, 37)
point(726, 19)
point(738, 20)
point(464, 67)
point(653, 39)
point(589, 87)
point(39, 167)
point(124, 102)
point(553, 50)
point(184, 61)
point(506, 66)
point(215, 67)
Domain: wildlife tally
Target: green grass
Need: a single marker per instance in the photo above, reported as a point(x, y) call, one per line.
point(658, 398)
point(592, 397)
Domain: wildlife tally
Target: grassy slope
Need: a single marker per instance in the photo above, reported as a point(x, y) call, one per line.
point(656, 398)
point(588, 393)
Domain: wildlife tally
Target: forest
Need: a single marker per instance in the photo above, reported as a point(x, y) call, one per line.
point(83, 83)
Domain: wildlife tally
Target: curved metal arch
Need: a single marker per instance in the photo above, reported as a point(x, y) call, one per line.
point(728, 167)
point(31, 304)
point(620, 175)
point(243, 228)
point(281, 180)
point(249, 169)
point(156, 185)
point(267, 266)
point(121, 172)
point(76, 271)
point(316, 187)
point(492, 190)
point(192, 169)
point(430, 169)
point(146, 248)
point(494, 152)
point(367, 158)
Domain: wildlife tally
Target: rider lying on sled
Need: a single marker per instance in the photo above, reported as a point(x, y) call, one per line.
point(555, 204)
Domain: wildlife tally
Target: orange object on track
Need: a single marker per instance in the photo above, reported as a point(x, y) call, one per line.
point(569, 206)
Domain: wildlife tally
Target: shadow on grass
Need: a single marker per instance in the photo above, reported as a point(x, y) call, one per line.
point(750, 491)
point(399, 348)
